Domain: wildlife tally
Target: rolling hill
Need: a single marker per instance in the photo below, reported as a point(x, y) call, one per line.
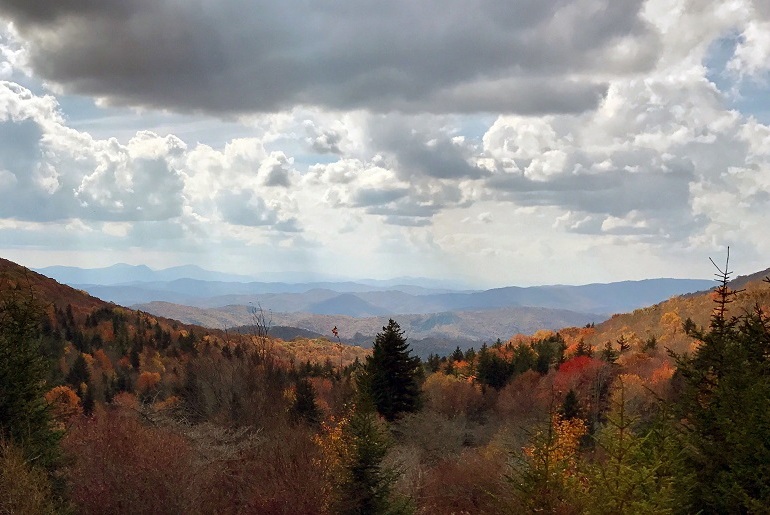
point(664, 320)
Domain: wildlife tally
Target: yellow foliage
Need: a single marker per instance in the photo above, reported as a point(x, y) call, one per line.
point(152, 362)
point(542, 334)
point(336, 455)
point(671, 321)
point(558, 447)
point(451, 396)
point(89, 359)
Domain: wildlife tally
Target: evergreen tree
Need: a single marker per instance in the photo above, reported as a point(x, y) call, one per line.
point(368, 488)
point(725, 408)
point(583, 349)
point(524, 358)
point(493, 370)
point(434, 363)
point(89, 403)
point(79, 373)
point(392, 375)
point(550, 351)
point(623, 344)
point(24, 416)
point(609, 354)
point(650, 344)
point(570, 408)
point(629, 473)
point(305, 407)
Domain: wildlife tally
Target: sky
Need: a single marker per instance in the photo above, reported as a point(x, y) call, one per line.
point(488, 142)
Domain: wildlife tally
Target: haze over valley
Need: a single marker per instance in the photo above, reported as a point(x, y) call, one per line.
point(435, 319)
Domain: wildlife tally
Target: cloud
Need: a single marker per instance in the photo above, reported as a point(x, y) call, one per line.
point(323, 141)
point(527, 132)
point(50, 172)
point(240, 56)
point(134, 182)
point(245, 208)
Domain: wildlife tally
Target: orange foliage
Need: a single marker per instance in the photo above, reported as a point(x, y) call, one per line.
point(64, 403)
point(323, 393)
point(126, 400)
point(125, 363)
point(662, 374)
point(167, 404)
point(102, 360)
point(335, 455)
point(573, 335)
point(147, 381)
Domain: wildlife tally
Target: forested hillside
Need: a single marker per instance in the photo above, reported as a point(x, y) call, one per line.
point(109, 410)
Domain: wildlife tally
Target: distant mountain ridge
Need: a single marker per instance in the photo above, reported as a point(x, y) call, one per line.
point(125, 274)
point(360, 309)
point(356, 300)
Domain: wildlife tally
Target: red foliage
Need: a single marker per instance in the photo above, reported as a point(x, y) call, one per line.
point(577, 373)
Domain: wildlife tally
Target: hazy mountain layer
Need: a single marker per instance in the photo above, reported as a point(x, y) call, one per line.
point(487, 325)
point(355, 300)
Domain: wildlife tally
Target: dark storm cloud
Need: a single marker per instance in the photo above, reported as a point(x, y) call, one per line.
point(239, 56)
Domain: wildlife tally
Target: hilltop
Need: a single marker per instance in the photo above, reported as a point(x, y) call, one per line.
point(664, 321)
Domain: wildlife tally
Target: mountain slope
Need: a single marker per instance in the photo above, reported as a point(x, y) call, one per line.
point(664, 320)
point(47, 291)
point(117, 327)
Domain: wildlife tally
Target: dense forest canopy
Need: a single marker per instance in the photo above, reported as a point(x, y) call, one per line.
point(105, 409)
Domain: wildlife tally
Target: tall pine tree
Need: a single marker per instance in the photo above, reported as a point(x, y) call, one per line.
point(25, 419)
point(392, 375)
point(724, 406)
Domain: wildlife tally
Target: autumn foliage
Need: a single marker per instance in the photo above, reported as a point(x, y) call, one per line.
point(160, 417)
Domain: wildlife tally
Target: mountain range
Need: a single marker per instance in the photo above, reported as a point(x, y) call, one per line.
point(441, 331)
point(205, 289)
point(433, 317)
